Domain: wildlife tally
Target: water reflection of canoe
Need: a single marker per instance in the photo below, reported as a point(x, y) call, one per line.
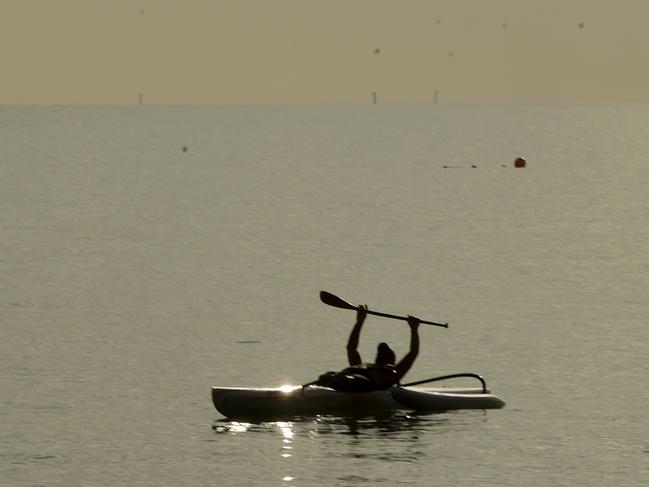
point(291, 401)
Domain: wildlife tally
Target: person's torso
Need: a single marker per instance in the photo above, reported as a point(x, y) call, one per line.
point(382, 376)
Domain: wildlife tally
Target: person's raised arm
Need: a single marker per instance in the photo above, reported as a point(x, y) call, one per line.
point(353, 357)
point(406, 362)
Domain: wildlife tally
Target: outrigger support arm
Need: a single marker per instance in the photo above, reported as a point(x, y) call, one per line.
point(451, 376)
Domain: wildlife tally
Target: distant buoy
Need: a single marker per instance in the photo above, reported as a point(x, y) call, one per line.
point(184, 148)
point(519, 162)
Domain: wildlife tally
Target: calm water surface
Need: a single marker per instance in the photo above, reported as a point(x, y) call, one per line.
point(135, 275)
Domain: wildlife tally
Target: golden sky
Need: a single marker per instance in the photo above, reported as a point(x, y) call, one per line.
point(323, 51)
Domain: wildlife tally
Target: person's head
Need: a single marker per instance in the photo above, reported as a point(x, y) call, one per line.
point(384, 355)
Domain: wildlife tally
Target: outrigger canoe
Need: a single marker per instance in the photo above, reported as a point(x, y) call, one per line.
point(295, 401)
point(313, 400)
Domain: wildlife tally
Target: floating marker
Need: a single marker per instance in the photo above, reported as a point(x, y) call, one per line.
point(519, 162)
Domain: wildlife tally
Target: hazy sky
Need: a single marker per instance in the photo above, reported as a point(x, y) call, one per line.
point(323, 51)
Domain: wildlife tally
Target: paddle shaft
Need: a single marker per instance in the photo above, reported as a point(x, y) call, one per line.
point(403, 318)
point(333, 300)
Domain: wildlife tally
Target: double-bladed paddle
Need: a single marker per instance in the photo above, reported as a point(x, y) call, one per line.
point(333, 300)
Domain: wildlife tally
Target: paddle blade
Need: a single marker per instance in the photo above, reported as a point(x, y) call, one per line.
point(333, 300)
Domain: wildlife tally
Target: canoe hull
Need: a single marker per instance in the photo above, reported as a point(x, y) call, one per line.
point(272, 402)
